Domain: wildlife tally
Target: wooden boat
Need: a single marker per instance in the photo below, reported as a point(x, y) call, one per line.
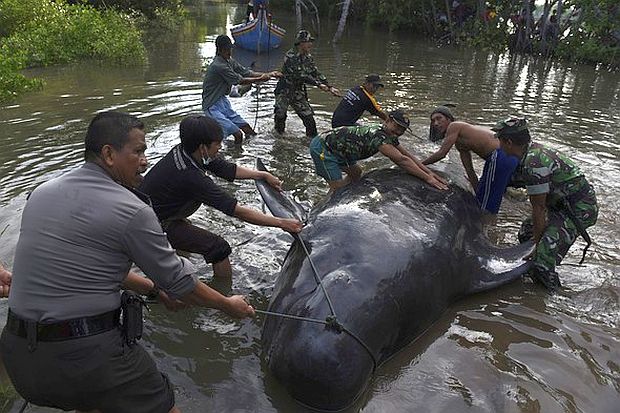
point(258, 35)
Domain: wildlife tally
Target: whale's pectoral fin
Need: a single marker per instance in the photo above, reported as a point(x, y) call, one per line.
point(280, 204)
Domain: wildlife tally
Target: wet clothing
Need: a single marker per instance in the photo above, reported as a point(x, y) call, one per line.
point(498, 169)
point(230, 121)
point(352, 106)
point(178, 185)
point(571, 202)
point(343, 147)
point(221, 75)
point(298, 71)
point(79, 235)
point(96, 372)
point(188, 237)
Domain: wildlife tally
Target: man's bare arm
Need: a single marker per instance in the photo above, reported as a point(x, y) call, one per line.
point(469, 167)
point(452, 134)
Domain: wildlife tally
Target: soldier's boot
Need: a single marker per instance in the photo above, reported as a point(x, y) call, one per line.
point(549, 279)
point(280, 123)
point(310, 125)
point(526, 232)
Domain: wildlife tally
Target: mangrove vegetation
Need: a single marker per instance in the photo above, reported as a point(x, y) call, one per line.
point(36, 33)
point(578, 30)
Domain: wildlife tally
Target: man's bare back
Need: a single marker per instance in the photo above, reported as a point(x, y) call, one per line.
point(474, 138)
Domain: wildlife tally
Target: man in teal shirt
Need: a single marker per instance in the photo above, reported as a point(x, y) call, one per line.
point(338, 150)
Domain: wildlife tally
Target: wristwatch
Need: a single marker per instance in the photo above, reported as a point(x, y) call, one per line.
point(153, 294)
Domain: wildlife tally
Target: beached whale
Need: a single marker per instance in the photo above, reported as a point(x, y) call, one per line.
point(391, 254)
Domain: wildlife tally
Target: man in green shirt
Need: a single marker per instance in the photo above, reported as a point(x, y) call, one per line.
point(338, 150)
point(563, 202)
point(222, 74)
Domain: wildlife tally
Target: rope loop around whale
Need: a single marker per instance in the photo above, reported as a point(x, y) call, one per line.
point(331, 322)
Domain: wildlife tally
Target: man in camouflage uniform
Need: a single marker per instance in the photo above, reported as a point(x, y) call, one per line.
point(563, 202)
point(338, 150)
point(298, 71)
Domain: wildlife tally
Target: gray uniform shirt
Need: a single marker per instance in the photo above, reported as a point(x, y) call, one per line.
point(79, 235)
point(221, 75)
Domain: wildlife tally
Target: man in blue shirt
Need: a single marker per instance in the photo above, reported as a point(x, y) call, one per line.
point(356, 101)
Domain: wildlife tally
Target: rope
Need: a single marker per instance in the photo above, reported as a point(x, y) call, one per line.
point(331, 322)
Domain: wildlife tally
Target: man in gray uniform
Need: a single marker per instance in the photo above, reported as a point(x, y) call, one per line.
point(80, 233)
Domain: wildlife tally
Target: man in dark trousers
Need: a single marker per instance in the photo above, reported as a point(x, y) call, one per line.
point(356, 101)
point(178, 186)
point(62, 345)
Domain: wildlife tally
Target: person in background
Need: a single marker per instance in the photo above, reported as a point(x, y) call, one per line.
point(178, 186)
point(298, 71)
point(338, 150)
point(357, 100)
point(467, 138)
point(63, 345)
point(563, 202)
point(222, 74)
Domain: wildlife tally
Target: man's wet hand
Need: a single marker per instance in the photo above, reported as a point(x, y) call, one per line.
point(436, 183)
point(274, 182)
point(239, 307)
point(291, 225)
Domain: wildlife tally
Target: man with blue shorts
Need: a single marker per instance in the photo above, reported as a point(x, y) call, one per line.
point(222, 74)
point(467, 138)
point(338, 150)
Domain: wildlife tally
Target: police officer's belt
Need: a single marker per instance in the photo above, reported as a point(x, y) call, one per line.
point(64, 330)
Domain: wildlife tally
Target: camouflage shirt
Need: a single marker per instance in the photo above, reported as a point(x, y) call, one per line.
point(545, 171)
point(353, 143)
point(298, 70)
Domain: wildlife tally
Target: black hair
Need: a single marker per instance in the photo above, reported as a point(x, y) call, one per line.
point(520, 138)
point(198, 129)
point(109, 128)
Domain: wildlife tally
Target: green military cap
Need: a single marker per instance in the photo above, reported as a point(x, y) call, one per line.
point(512, 126)
point(303, 36)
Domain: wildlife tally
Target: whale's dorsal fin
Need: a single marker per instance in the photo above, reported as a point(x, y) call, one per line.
point(280, 205)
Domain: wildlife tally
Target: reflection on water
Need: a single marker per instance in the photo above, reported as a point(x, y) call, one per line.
point(514, 349)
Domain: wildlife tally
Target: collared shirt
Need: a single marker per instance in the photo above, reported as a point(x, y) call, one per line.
point(221, 75)
point(545, 171)
point(353, 105)
point(80, 234)
point(178, 185)
point(352, 143)
point(298, 70)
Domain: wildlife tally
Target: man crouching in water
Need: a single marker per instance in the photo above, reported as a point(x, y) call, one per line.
point(467, 138)
point(338, 150)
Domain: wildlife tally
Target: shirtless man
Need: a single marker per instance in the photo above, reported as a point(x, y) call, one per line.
point(467, 138)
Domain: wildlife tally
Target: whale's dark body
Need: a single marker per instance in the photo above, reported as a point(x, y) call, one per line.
point(392, 254)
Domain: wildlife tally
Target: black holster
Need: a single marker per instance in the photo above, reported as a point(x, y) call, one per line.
point(131, 306)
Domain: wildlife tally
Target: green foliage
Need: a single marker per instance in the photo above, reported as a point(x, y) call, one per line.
point(150, 8)
point(45, 32)
point(12, 82)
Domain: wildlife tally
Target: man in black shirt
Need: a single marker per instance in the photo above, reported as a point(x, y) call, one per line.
point(178, 185)
point(356, 101)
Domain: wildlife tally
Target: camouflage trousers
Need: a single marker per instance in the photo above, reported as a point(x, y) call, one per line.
point(298, 101)
point(561, 231)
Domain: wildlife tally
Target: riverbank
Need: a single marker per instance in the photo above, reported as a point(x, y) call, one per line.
point(581, 31)
point(38, 33)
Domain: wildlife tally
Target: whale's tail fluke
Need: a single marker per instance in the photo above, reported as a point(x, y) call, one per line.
point(279, 204)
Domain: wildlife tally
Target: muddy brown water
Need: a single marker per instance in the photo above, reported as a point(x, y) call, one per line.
point(514, 349)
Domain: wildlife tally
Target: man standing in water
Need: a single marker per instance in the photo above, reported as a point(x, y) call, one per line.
point(563, 202)
point(298, 71)
point(178, 186)
point(356, 101)
point(338, 151)
point(467, 138)
point(62, 345)
point(222, 74)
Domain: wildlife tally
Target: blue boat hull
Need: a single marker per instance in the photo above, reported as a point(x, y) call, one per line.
point(258, 35)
